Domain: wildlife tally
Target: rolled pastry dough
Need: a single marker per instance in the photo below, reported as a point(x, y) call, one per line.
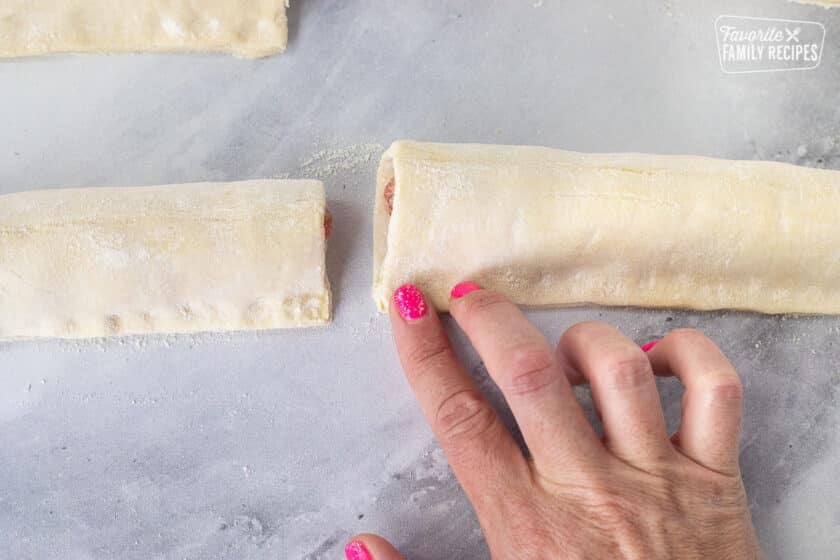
point(178, 258)
point(550, 228)
point(250, 28)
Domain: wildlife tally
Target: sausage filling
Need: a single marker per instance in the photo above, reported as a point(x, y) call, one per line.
point(389, 197)
point(328, 224)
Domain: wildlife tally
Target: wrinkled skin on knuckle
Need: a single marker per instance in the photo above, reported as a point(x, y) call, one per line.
point(685, 489)
point(608, 511)
point(711, 491)
point(707, 512)
point(608, 506)
point(426, 356)
point(627, 372)
point(463, 417)
point(481, 301)
point(532, 368)
point(644, 518)
point(595, 499)
point(725, 392)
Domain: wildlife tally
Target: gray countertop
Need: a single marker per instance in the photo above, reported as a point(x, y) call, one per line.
point(283, 444)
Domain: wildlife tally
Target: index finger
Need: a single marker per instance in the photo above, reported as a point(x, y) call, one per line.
point(481, 451)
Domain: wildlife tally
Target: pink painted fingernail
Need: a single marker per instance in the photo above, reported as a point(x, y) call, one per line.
point(649, 346)
point(462, 289)
point(356, 550)
point(410, 302)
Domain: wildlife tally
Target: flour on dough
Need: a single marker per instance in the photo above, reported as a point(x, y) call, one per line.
point(248, 28)
point(83, 263)
point(551, 228)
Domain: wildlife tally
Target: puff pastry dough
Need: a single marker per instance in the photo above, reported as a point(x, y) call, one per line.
point(249, 28)
point(549, 228)
point(178, 258)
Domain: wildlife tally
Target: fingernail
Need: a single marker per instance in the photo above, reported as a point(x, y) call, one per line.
point(462, 289)
point(356, 550)
point(410, 302)
point(649, 346)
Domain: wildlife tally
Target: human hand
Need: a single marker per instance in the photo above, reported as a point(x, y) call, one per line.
point(635, 493)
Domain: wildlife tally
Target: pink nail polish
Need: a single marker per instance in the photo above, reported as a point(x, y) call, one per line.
point(356, 550)
point(410, 302)
point(462, 289)
point(649, 346)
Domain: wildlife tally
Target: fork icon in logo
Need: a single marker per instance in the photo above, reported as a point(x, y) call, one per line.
point(793, 35)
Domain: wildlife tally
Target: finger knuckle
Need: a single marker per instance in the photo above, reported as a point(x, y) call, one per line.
point(427, 356)
point(627, 371)
point(531, 369)
point(717, 489)
point(612, 512)
point(726, 492)
point(483, 301)
point(727, 389)
point(463, 416)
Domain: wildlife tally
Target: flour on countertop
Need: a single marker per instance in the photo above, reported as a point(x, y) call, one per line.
point(375, 326)
point(433, 466)
point(330, 162)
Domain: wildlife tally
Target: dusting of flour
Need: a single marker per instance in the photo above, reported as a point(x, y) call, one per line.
point(327, 163)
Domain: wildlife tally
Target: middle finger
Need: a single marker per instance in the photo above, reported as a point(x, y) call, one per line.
point(523, 365)
point(623, 389)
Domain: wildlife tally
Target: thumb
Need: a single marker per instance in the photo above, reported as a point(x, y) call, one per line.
point(371, 547)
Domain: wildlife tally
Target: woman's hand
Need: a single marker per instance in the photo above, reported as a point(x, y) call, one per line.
point(635, 493)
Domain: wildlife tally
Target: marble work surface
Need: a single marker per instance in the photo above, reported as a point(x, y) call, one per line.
point(283, 444)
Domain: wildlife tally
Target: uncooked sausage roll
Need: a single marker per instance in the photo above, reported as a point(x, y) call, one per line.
point(555, 228)
point(179, 258)
point(250, 28)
